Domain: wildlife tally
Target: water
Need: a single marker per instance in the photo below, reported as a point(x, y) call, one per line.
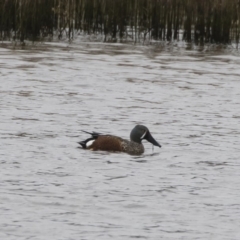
point(51, 189)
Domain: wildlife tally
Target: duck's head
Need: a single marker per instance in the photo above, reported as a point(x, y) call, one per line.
point(141, 132)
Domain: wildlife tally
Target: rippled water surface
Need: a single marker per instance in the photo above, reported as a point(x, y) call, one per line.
point(51, 189)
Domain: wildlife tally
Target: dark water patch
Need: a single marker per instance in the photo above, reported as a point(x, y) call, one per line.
point(114, 178)
point(25, 119)
point(24, 93)
point(212, 163)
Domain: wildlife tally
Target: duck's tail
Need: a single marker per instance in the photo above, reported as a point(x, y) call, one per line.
point(88, 142)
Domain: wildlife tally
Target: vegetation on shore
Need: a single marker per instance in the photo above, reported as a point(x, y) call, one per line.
point(200, 21)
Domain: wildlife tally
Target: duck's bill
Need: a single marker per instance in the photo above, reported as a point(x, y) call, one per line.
point(149, 138)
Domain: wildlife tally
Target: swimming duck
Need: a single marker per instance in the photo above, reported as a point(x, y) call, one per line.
point(111, 143)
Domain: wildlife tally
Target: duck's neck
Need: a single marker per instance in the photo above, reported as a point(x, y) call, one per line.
point(139, 141)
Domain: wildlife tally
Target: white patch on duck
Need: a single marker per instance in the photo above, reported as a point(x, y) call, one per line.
point(143, 135)
point(89, 143)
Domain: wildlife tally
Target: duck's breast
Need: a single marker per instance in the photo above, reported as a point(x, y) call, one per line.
point(132, 148)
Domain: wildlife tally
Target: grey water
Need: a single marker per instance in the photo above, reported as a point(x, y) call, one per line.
point(189, 98)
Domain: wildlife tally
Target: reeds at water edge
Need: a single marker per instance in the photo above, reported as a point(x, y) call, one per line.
point(200, 21)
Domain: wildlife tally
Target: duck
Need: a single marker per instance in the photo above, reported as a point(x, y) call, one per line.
point(111, 143)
